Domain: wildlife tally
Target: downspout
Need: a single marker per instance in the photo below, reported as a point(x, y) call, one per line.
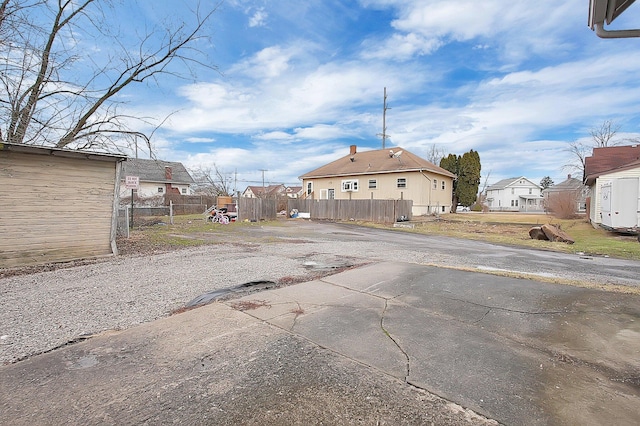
point(429, 201)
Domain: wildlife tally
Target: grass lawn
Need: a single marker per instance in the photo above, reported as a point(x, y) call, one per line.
point(513, 229)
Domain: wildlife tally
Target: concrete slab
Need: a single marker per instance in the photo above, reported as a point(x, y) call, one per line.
point(507, 348)
point(212, 365)
point(360, 347)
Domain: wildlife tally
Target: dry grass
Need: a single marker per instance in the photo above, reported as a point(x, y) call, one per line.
point(248, 305)
point(513, 229)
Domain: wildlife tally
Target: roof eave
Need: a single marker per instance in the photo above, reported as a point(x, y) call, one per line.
point(423, 169)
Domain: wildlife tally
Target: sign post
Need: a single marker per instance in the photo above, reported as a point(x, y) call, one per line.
point(133, 183)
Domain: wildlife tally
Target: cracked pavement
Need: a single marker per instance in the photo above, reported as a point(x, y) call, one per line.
point(516, 351)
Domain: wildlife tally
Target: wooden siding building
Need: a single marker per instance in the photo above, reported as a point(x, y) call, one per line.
point(56, 205)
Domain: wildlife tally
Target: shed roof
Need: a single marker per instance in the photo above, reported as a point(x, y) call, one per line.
point(608, 159)
point(378, 161)
point(60, 152)
point(155, 171)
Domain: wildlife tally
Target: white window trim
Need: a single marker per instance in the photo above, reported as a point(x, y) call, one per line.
point(350, 185)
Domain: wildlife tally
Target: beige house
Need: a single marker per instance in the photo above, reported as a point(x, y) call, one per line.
point(384, 174)
point(57, 205)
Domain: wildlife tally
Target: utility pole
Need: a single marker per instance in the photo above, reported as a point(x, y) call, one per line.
point(263, 187)
point(384, 119)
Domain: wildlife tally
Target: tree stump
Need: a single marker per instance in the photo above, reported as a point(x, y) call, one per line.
point(554, 233)
point(536, 233)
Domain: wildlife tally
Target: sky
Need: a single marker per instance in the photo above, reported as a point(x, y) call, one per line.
point(298, 82)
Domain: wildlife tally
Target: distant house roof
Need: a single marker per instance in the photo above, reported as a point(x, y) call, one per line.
point(391, 160)
point(267, 191)
point(570, 184)
point(157, 171)
point(608, 159)
point(294, 189)
point(502, 184)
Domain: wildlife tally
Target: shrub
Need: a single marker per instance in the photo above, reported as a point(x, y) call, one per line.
point(563, 204)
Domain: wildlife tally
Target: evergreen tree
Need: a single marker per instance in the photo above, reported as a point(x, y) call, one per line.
point(450, 163)
point(467, 168)
point(546, 182)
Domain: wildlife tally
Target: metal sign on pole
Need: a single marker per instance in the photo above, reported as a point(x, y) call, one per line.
point(132, 183)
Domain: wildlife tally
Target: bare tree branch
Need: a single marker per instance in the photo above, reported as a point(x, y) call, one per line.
point(211, 182)
point(42, 100)
point(602, 136)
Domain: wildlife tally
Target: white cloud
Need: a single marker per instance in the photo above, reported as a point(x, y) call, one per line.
point(259, 18)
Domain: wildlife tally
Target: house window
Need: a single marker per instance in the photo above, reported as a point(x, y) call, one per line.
point(435, 184)
point(373, 183)
point(184, 190)
point(530, 191)
point(443, 185)
point(443, 209)
point(401, 183)
point(160, 190)
point(350, 185)
point(331, 194)
point(309, 188)
point(514, 203)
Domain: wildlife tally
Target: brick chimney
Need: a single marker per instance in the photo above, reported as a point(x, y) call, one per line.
point(352, 150)
point(168, 173)
point(569, 176)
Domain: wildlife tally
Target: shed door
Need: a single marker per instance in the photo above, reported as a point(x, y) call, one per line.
point(605, 203)
point(624, 203)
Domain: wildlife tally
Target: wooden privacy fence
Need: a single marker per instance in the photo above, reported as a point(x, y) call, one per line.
point(256, 209)
point(382, 211)
point(189, 204)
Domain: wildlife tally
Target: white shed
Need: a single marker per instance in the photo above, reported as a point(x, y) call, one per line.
point(57, 205)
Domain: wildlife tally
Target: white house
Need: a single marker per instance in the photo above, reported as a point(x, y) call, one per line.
point(271, 191)
point(613, 177)
point(515, 194)
point(156, 178)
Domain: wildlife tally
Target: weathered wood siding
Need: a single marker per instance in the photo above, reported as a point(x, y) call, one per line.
point(381, 211)
point(54, 209)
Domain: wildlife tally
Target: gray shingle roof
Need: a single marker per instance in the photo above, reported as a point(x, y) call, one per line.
point(155, 171)
point(502, 184)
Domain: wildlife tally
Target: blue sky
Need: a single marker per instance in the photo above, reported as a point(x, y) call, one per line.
point(300, 81)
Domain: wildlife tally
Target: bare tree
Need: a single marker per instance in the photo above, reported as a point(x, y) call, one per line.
point(435, 154)
point(54, 93)
point(601, 137)
point(211, 182)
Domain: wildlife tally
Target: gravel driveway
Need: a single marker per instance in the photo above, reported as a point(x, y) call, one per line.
point(42, 311)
